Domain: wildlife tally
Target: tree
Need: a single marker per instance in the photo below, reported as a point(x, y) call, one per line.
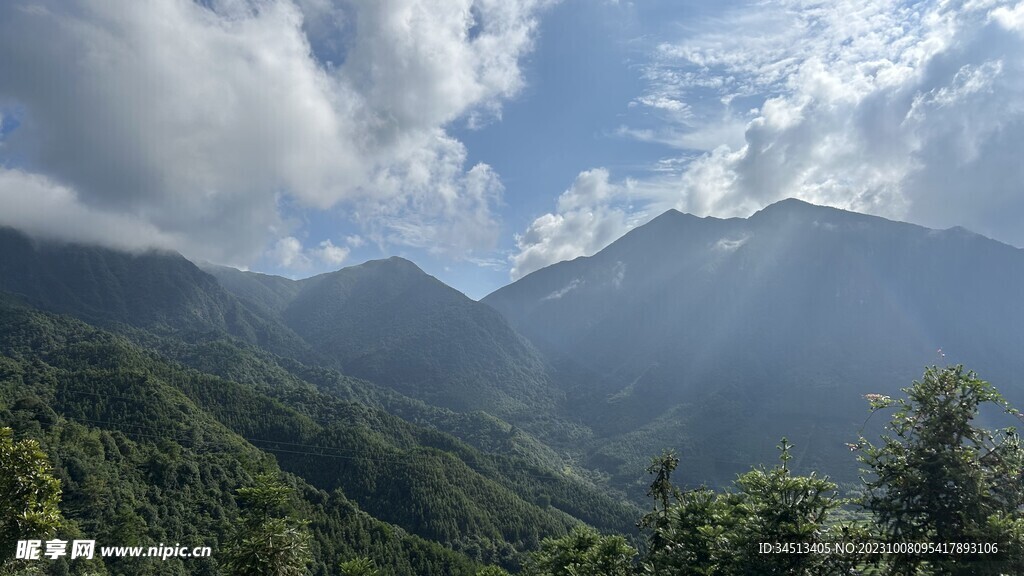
point(29, 494)
point(582, 552)
point(937, 477)
point(703, 532)
point(271, 540)
point(775, 506)
point(661, 490)
point(696, 536)
point(492, 571)
point(361, 566)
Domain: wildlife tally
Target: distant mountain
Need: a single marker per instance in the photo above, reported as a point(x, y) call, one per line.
point(718, 337)
point(385, 321)
point(153, 290)
point(389, 322)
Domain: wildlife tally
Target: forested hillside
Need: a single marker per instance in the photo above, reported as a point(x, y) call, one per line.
point(160, 291)
point(389, 322)
point(151, 452)
point(140, 463)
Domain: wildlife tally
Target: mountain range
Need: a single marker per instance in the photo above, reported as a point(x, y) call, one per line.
point(718, 337)
point(474, 429)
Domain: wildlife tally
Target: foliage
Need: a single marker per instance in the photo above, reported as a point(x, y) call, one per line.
point(493, 508)
point(270, 539)
point(140, 462)
point(492, 571)
point(778, 506)
point(29, 494)
point(936, 478)
point(361, 566)
point(149, 451)
point(939, 477)
point(219, 415)
point(582, 552)
point(703, 532)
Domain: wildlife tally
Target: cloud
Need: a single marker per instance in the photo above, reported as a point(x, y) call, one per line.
point(290, 254)
point(445, 210)
point(211, 121)
point(903, 111)
point(589, 216)
point(557, 294)
point(730, 244)
point(34, 203)
point(875, 106)
point(331, 254)
point(1010, 18)
point(910, 111)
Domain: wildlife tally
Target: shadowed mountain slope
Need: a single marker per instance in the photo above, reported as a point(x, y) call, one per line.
point(160, 291)
point(718, 337)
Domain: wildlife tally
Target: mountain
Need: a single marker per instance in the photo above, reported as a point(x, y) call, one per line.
point(385, 321)
point(154, 290)
point(718, 337)
point(135, 437)
point(149, 452)
point(252, 361)
point(389, 322)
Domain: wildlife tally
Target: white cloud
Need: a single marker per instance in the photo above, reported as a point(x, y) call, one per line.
point(911, 111)
point(904, 111)
point(204, 122)
point(1010, 18)
point(446, 210)
point(331, 254)
point(589, 216)
point(730, 244)
point(564, 290)
point(34, 203)
point(288, 253)
point(618, 274)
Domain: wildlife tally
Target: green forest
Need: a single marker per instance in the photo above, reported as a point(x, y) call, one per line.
point(108, 440)
point(147, 450)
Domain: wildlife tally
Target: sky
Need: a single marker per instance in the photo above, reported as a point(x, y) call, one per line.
point(485, 139)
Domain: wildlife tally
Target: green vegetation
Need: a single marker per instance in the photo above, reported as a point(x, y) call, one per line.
point(703, 532)
point(149, 451)
point(582, 551)
point(937, 478)
point(361, 566)
point(270, 539)
point(266, 468)
point(29, 494)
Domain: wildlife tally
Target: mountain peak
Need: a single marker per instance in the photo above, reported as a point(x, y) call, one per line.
point(793, 210)
point(672, 215)
point(792, 206)
point(399, 261)
point(396, 263)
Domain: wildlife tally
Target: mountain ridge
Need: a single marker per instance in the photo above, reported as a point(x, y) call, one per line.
point(777, 323)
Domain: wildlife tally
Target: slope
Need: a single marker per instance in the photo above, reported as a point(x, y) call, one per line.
point(388, 322)
point(141, 464)
point(493, 507)
point(160, 291)
point(718, 337)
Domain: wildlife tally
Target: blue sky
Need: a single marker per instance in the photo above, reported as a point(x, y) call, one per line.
point(485, 139)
